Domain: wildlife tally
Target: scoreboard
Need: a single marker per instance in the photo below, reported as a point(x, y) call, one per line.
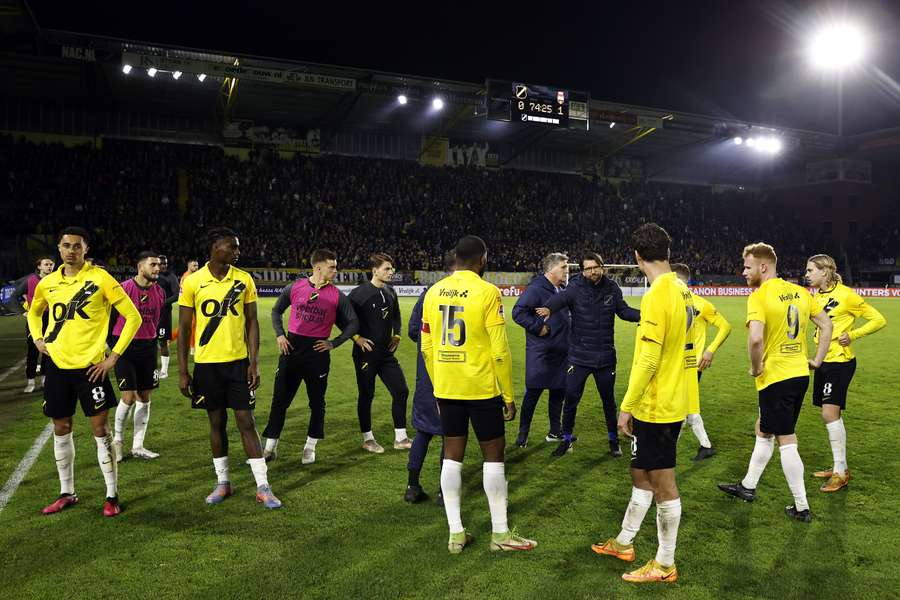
point(541, 105)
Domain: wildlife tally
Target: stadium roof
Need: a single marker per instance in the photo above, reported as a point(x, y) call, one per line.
point(663, 139)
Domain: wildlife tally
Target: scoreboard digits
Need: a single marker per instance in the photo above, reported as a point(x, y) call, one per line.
point(540, 104)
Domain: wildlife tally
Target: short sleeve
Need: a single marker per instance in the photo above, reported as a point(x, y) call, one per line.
point(755, 311)
point(112, 289)
point(493, 308)
point(654, 319)
point(814, 307)
point(250, 295)
point(186, 297)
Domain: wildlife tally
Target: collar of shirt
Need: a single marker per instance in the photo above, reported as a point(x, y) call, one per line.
point(208, 276)
point(85, 269)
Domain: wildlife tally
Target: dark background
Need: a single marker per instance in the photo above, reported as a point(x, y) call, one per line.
point(735, 59)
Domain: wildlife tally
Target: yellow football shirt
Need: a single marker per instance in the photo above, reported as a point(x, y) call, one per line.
point(705, 314)
point(784, 309)
point(78, 316)
point(219, 310)
point(456, 315)
point(666, 316)
point(843, 306)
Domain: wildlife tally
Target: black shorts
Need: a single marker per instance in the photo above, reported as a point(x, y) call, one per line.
point(831, 381)
point(136, 368)
point(780, 404)
point(164, 329)
point(64, 388)
point(653, 445)
point(222, 385)
point(486, 417)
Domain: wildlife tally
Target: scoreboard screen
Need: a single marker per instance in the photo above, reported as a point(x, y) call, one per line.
point(540, 104)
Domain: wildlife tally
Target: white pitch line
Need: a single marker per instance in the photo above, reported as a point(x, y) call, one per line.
point(12, 484)
point(11, 370)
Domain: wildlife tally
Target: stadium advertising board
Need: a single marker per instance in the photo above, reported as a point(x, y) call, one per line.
point(498, 278)
point(724, 290)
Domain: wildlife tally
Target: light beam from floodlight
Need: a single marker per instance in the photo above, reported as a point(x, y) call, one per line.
point(402, 99)
point(837, 46)
point(437, 104)
point(176, 75)
point(751, 142)
point(126, 69)
point(151, 72)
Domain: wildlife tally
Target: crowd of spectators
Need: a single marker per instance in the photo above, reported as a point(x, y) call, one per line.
point(137, 195)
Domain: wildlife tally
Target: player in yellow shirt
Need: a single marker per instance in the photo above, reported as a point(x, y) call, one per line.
point(654, 407)
point(77, 298)
point(221, 300)
point(466, 353)
point(831, 380)
point(704, 314)
point(777, 316)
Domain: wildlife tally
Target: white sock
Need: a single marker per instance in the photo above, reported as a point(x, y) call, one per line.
point(64, 452)
point(400, 434)
point(837, 435)
point(29, 382)
point(260, 470)
point(368, 435)
point(792, 466)
point(494, 481)
point(668, 516)
point(43, 380)
point(310, 443)
point(271, 444)
point(762, 452)
point(164, 364)
point(451, 486)
point(141, 418)
point(120, 421)
point(221, 467)
point(696, 423)
point(107, 462)
point(634, 515)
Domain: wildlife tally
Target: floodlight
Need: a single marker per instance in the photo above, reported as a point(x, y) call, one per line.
point(437, 104)
point(126, 69)
point(402, 99)
point(738, 141)
point(837, 46)
point(176, 75)
point(201, 77)
point(151, 72)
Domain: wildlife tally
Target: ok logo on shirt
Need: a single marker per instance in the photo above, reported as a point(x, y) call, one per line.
point(216, 310)
point(66, 312)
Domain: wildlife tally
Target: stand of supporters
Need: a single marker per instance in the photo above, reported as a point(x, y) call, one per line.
point(135, 195)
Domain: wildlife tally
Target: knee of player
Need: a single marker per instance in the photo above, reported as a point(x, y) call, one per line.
point(62, 426)
point(245, 421)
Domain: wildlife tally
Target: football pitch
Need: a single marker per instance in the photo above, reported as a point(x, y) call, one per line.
point(345, 532)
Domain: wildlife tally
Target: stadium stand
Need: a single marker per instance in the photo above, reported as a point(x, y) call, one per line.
point(128, 193)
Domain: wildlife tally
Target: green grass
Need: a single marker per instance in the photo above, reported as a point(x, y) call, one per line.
point(344, 531)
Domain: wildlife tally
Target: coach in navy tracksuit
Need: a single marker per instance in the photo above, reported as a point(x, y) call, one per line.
point(594, 301)
point(546, 346)
point(425, 417)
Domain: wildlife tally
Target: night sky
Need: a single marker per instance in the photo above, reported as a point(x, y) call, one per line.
point(735, 59)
